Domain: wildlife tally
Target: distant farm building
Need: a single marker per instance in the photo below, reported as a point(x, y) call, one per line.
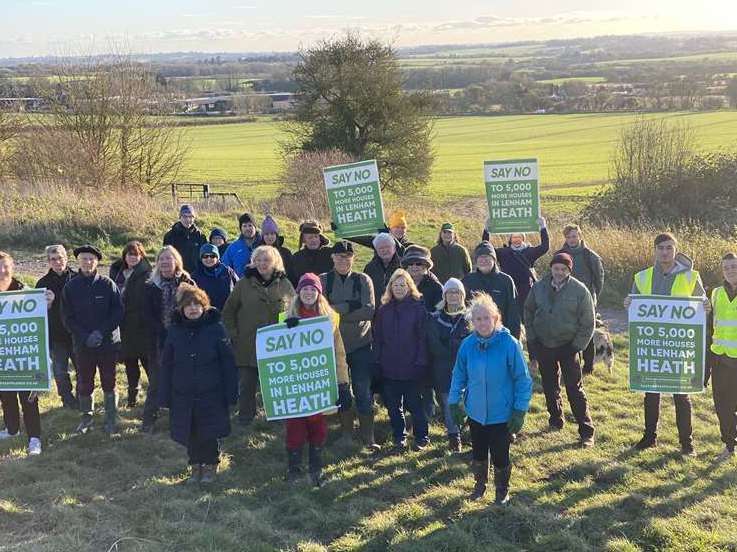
point(275, 102)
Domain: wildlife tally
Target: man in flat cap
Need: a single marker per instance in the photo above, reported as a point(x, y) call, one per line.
point(92, 310)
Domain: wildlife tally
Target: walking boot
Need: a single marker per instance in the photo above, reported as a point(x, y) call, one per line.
point(346, 429)
point(132, 397)
point(481, 475)
point(294, 465)
point(64, 388)
point(501, 484)
point(648, 440)
point(454, 443)
point(209, 471)
point(110, 425)
point(85, 408)
point(366, 428)
point(315, 457)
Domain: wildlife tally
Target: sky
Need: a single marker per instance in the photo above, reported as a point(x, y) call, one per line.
point(68, 27)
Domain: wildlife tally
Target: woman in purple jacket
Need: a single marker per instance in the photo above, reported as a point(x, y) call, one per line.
point(400, 348)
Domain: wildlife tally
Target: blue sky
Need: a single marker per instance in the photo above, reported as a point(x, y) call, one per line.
point(40, 27)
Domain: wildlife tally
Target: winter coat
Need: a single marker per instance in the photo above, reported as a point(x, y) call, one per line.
point(286, 254)
point(557, 318)
point(92, 303)
point(663, 283)
point(587, 268)
point(16, 285)
point(355, 322)
point(501, 289)
point(218, 282)
point(188, 242)
point(155, 329)
point(316, 261)
point(491, 377)
point(400, 340)
point(450, 261)
point(135, 341)
point(59, 335)
point(520, 264)
point(251, 306)
point(198, 378)
point(445, 332)
point(431, 290)
point(238, 254)
point(380, 274)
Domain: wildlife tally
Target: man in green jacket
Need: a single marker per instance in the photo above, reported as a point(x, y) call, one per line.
point(559, 320)
point(449, 258)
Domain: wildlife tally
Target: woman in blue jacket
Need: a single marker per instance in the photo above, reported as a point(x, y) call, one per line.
point(492, 386)
point(198, 380)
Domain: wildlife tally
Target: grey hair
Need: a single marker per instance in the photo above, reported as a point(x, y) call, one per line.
point(60, 249)
point(383, 237)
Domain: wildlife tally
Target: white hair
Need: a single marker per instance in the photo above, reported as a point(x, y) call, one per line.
point(60, 249)
point(383, 237)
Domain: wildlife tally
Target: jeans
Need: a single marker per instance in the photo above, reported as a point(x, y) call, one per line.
point(61, 354)
point(151, 366)
point(360, 363)
point(490, 440)
point(428, 400)
point(398, 395)
point(724, 390)
point(683, 416)
point(450, 425)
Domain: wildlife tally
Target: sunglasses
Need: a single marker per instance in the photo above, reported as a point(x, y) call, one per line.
point(209, 256)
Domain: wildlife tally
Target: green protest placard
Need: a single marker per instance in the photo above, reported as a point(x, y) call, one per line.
point(354, 197)
point(24, 341)
point(513, 195)
point(296, 368)
point(667, 344)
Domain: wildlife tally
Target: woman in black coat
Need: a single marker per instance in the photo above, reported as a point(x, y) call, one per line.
point(198, 381)
point(130, 274)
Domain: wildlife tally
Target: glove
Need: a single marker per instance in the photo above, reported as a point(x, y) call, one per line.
point(345, 400)
point(333, 226)
point(353, 305)
point(516, 421)
point(94, 340)
point(458, 414)
point(292, 322)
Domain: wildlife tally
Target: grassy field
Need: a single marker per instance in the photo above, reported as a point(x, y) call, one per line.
point(574, 151)
point(127, 493)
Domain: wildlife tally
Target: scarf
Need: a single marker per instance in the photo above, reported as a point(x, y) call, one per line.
point(168, 299)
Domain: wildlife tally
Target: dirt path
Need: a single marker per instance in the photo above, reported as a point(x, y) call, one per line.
point(615, 319)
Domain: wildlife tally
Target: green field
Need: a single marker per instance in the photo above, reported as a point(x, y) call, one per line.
point(127, 493)
point(574, 150)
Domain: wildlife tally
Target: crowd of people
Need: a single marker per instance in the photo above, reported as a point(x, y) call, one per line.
point(429, 331)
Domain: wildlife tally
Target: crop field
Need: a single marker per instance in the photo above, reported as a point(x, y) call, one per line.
point(574, 151)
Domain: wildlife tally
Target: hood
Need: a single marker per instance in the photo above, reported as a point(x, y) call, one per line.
point(218, 232)
point(684, 263)
point(493, 339)
point(210, 316)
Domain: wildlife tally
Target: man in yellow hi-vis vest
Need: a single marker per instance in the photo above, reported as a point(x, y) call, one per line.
point(723, 357)
point(672, 274)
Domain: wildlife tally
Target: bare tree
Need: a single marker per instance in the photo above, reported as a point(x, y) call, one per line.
point(107, 129)
point(11, 126)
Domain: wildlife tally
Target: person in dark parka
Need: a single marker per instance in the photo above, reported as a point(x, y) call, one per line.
point(186, 238)
point(315, 255)
point(382, 266)
point(219, 238)
point(214, 277)
point(446, 329)
point(60, 340)
point(161, 290)
point(489, 279)
point(130, 274)
point(92, 310)
point(517, 258)
point(198, 381)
